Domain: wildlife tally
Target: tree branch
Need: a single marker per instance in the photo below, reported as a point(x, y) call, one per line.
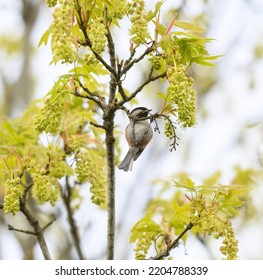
point(94, 96)
point(89, 92)
point(21, 230)
point(132, 54)
point(130, 62)
point(97, 125)
point(121, 90)
point(88, 43)
point(10, 227)
point(110, 140)
point(66, 196)
point(113, 77)
point(108, 123)
point(49, 223)
point(140, 88)
point(37, 229)
point(173, 244)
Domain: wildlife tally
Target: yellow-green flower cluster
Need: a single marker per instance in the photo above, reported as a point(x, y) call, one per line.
point(142, 247)
point(90, 59)
point(62, 42)
point(230, 243)
point(51, 3)
point(76, 141)
point(181, 93)
point(97, 34)
point(49, 119)
point(157, 62)
point(168, 129)
point(45, 188)
point(13, 191)
point(57, 166)
point(206, 217)
point(92, 168)
point(119, 8)
point(139, 24)
point(144, 233)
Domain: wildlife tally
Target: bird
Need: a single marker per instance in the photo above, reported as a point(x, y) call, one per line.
point(138, 134)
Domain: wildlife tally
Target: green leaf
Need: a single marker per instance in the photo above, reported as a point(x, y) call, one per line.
point(44, 38)
point(88, 69)
point(9, 131)
point(203, 60)
point(188, 26)
point(231, 200)
point(145, 225)
point(151, 14)
point(108, 3)
point(187, 183)
point(161, 95)
point(161, 28)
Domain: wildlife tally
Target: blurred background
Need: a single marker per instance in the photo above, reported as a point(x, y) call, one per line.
point(228, 135)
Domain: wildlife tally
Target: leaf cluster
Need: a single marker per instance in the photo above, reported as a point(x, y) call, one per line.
point(28, 163)
point(203, 210)
point(169, 51)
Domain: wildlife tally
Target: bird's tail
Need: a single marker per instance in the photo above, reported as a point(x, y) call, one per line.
point(127, 162)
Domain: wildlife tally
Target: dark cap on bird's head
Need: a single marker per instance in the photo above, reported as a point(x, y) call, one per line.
point(140, 112)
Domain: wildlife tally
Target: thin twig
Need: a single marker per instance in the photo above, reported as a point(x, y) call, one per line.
point(21, 230)
point(155, 116)
point(140, 88)
point(127, 111)
point(166, 252)
point(97, 125)
point(37, 229)
point(132, 54)
point(89, 92)
point(49, 223)
point(10, 227)
point(113, 76)
point(130, 62)
point(121, 90)
point(66, 196)
point(88, 42)
point(173, 137)
point(93, 98)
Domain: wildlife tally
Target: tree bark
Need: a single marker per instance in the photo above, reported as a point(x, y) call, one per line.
point(109, 139)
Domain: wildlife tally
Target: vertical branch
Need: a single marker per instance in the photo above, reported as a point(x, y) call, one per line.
point(109, 124)
point(108, 117)
point(113, 76)
point(73, 228)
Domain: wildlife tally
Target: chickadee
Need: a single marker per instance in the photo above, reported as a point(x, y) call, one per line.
point(138, 134)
